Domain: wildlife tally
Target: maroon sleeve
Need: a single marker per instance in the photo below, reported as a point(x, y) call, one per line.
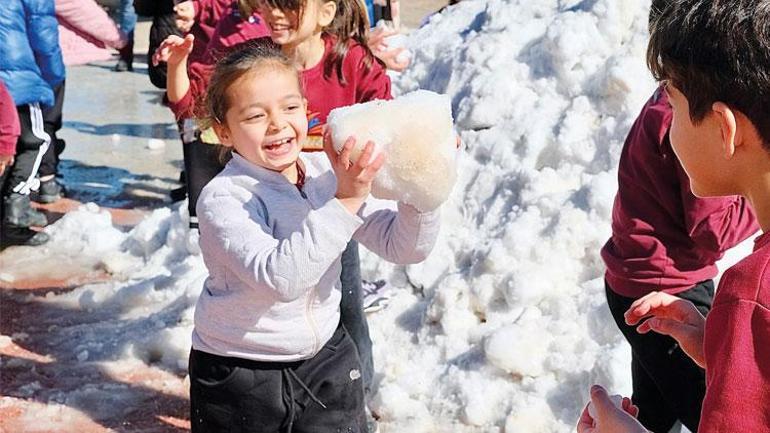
point(737, 349)
point(716, 223)
point(187, 107)
point(371, 83)
point(9, 122)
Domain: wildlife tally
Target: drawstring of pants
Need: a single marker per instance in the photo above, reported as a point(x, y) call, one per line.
point(289, 374)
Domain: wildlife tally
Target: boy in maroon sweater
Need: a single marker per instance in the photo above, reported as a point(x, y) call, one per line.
point(714, 60)
point(665, 239)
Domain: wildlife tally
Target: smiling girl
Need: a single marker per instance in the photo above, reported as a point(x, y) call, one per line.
point(269, 352)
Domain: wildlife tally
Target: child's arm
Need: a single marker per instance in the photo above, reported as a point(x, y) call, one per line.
point(241, 239)
point(174, 51)
point(89, 18)
point(737, 368)
point(669, 315)
point(9, 128)
point(43, 36)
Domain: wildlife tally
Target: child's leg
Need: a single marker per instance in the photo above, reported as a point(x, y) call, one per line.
point(201, 164)
point(352, 313)
point(333, 379)
point(667, 384)
point(30, 148)
point(50, 190)
point(236, 395)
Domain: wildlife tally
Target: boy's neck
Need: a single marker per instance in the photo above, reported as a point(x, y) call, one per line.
point(307, 53)
point(759, 197)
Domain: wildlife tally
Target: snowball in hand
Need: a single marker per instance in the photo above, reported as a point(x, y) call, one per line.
point(616, 399)
point(415, 132)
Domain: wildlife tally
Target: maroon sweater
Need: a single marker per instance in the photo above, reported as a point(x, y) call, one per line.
point(737, 348)
point(9, 122)
point(325, 94)
point(663, 237)
point(207, 16)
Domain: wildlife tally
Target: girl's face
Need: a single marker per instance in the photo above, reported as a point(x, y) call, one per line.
point(289, 28)
point(266, 122)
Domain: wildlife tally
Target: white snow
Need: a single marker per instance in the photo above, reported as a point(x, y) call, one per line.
point(415, 133)
point(505, 326)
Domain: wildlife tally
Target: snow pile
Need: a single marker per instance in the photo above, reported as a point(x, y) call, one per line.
point(415, 132)
point(505, 326)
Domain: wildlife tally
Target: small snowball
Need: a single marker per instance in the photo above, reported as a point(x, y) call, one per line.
point(415, 131)
point(155, 144)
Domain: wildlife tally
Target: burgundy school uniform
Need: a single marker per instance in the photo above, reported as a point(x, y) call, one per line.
point(737, 348)
point(207, 16)
point(663, 237)
point(9, 122)
point(325, 94)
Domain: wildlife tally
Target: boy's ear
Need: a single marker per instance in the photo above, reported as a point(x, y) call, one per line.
point(728, 125)
point(326, 13)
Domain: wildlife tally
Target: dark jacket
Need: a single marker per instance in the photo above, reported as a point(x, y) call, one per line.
point(31, 62)
point(163, 25)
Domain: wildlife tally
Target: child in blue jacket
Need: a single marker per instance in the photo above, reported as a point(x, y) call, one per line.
point(31, 67)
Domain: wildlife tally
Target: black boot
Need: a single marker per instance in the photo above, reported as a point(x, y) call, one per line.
point(10, 236)
point(19, 213)
point(126, 60)
point(50, 191)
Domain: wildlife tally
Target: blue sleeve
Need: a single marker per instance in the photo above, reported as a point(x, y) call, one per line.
point(43, 35)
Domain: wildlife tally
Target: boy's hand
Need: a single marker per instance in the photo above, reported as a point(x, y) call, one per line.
point(185, 16)
point(609, 418)
point(354, 180)
point(669, 315)
point(173, 50)
point(5, 161)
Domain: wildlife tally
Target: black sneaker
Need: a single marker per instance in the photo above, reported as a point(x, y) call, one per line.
point(50, 191)
point(19, 212)
point(11, 236)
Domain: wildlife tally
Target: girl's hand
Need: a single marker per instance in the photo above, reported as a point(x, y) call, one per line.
point(669, 315)
point(185, 16)
point(173, 50)
point(5, 161)
point(609, 418)
point(354, 180)
point(376, 43)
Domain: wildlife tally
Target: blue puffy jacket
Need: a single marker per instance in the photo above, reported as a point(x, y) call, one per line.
point(30, 57)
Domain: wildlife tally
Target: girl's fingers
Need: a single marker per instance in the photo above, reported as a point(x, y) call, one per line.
point(347, 148)
point(373, 167)
point(365, 158)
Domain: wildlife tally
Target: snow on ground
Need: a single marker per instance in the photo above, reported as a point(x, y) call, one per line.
point(505, 326)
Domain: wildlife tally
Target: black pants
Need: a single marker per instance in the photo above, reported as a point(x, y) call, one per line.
point(352, 313)
point(667, 384)
point(323, 394)
point(30, 148)
point(201, 163)
point(52, 123)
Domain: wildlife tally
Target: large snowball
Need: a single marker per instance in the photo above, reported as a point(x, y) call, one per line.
point(415, 132)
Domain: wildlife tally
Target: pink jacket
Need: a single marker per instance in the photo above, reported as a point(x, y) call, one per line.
point(86, 31)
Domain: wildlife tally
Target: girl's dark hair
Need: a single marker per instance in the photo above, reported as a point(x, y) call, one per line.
point(350, 22)
point(248, 57)
point(656, 10)
point(716, 50)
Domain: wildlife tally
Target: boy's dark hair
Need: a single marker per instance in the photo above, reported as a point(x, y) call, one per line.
point(716, 50)
point(350, 22)
point(656, 10)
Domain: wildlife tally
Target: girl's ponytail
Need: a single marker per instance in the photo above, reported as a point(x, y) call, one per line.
point(350, 22)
